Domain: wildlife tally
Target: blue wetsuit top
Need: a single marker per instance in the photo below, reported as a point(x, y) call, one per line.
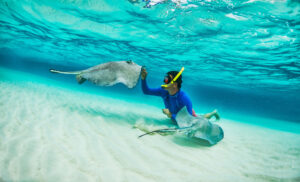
point(172, 102)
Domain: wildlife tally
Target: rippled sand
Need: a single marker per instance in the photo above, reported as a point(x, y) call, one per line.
point(51, 133)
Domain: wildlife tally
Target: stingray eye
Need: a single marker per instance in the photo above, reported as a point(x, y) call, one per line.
point(129, 62)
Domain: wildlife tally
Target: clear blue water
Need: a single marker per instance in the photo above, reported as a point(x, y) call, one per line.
point(240, 56)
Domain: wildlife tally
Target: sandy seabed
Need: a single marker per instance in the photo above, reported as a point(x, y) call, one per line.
point(52, 133)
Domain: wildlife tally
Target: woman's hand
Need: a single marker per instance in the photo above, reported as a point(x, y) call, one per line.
point(167, 112)
point(144, 73)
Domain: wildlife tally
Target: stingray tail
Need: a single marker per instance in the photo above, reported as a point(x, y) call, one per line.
point(159, 131)
point(166, 130)
point(79, 78)
point(65, 72)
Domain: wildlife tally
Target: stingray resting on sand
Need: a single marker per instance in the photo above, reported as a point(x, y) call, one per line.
point(194, 127)
point(108, 74)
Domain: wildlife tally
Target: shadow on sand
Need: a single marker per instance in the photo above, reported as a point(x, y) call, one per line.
point(191, 142)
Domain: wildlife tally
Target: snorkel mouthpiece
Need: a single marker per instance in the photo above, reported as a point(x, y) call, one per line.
point(174, 80)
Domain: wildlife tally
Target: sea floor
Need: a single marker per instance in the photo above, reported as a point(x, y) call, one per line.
point(49, 132)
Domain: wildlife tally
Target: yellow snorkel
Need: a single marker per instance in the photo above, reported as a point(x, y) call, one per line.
point(175, 78)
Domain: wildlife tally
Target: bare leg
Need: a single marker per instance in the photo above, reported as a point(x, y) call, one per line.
point(211, 114)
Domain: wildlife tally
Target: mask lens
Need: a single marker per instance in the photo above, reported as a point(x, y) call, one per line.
point(166, 80)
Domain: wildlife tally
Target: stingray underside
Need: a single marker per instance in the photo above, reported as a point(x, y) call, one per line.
point(111, 73)
point(108, 74)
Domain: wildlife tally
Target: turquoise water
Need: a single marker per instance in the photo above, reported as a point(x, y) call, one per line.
point(241, 57)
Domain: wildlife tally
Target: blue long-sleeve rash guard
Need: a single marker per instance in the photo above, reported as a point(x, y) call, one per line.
point(172, 102)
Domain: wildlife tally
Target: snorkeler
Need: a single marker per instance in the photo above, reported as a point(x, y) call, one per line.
point(174, 98)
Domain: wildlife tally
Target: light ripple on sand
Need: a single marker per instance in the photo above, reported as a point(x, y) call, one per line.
point(49, 133)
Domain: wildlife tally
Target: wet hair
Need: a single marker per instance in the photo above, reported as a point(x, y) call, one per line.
point(179, 79)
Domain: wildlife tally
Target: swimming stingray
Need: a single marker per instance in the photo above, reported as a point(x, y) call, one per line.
point(108, 74)
point(194, 127)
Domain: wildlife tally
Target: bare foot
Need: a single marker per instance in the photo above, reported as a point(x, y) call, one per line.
point(79, 79)
point(216, 114)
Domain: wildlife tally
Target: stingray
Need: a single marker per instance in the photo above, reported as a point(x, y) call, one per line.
point(108, 74)
point(194, 127)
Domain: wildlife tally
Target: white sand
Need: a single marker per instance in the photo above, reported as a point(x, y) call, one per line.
point(49, 133)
